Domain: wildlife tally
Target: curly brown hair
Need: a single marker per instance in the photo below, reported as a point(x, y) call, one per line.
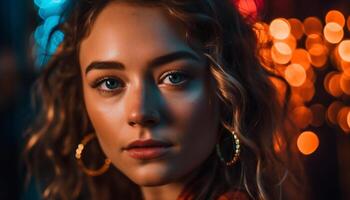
point(248, 104)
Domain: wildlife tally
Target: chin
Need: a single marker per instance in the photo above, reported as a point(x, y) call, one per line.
point(151, 177)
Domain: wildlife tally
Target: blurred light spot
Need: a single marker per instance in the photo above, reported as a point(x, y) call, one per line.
point(345, 67)
point(342, 119)
point(345, 83)
point(344, 50)
point(333, 32)
point(334, 85)
point(295, 75)
point(318, 114)
point(348, 23)
point(307, 142)
point(280, 28)
point(319, 55)
point(333, 110)
point(301, 116)
point(306, 91)
point(313, 39)
point(312, 25)
point(297, 28)
point(336, 17)
point(290, 41)
point(281, 53)
point(301, 57)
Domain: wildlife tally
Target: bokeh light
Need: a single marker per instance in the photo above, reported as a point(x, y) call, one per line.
point(333, 110)
point(301, 57)
point(280, 28)
point(297, 28)
point(344, 50)
point(301, 116)
point(313, 39)
point(295, 74)
point(336, 17)
point(342, 119)
point(307, 142)
point(319, 55)
point(312, 25)
point(333, 32)
point(281, 53)
point(344, 83)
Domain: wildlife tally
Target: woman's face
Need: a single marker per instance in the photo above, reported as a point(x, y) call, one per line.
point(147, 94)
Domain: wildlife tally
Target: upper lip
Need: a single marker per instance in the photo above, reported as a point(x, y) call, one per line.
point(147, 143)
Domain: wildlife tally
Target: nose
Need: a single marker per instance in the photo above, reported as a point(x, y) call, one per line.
point(143, 107)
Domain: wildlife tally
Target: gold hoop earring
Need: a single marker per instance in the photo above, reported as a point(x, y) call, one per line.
point(78, 156)
point(237, 151)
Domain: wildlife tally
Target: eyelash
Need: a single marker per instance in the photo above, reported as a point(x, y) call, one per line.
point(98, 83)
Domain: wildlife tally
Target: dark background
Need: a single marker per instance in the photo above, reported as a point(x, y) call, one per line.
point(327, 168)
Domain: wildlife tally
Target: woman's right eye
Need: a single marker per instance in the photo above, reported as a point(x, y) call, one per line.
point(109, 84)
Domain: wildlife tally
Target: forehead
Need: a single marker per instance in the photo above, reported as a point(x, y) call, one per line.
point(130, 33)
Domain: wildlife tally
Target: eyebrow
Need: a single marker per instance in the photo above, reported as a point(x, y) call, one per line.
point(162, 60)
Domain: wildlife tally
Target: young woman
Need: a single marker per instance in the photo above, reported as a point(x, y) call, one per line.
point(175, 95)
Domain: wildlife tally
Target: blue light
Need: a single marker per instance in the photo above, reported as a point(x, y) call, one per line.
point(49, 8)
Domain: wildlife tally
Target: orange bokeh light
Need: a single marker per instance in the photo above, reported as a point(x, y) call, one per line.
point(345, 67)
point(281, 53)
point(344, 50)
point(348, 23)
point(333, 110)
point(334, 85)
point(301, 57)
point(301, 116)
point(280, 28)
point(312, 25)
point(295, 75)
point(348, 118)
point(333, 32)
point(307, 142)
point(297, 28)
point(313, 39)
point(345, 83)
point(342, 119)
point(318, 54)
point(336, 17)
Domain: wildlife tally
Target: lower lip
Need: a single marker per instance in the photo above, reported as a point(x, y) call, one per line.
point(147, 153)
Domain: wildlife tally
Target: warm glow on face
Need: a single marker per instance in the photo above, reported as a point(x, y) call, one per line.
point(344, 50)
point(307, 142)
point(333, 32)
point(336, 17)
point(280, 28)
point(301, 57)
point(295, 75)
point(312, 25)
point(281, 53)
point(297, 28)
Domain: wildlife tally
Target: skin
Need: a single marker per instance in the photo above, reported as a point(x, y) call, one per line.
point(144, 101)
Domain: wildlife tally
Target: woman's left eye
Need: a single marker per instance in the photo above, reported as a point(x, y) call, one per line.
point(174, 78)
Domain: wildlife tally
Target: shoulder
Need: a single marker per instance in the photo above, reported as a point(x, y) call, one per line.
point(234, 195)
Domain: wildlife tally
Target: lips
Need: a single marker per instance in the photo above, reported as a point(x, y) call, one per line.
point(147, 149)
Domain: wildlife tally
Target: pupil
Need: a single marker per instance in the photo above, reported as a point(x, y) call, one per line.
point(175, 78)
point(111, 84)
